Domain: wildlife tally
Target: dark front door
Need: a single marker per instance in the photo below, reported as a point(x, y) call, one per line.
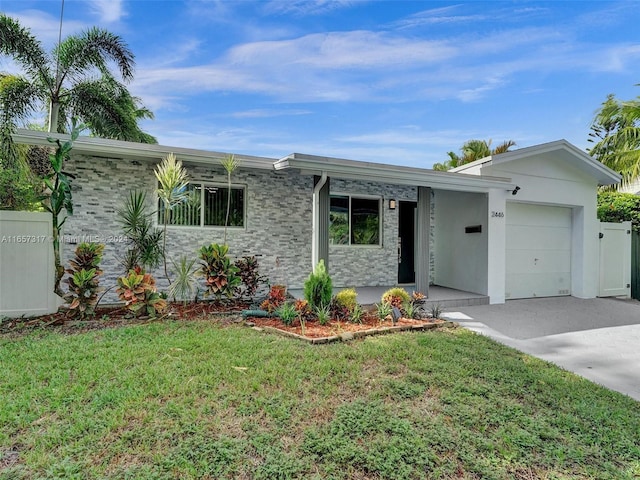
point(406, 242)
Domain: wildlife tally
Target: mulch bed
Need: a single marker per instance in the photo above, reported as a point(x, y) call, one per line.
point(116, 316)
point(336, 330)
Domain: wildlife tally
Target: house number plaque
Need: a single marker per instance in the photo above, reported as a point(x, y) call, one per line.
point(495, 214)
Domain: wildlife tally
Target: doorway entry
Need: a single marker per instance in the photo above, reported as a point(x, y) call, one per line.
point(406, 242)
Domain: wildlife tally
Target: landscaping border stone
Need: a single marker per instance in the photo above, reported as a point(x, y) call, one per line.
point(348, 336)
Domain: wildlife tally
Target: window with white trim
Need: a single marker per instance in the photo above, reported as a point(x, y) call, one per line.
point(206, 206)
point(354, 220)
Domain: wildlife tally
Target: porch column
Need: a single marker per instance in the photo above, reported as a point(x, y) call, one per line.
point(497, 245)
point(423, 228)
point(320, 234)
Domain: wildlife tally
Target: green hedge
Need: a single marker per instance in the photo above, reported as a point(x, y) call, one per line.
point(619, 207)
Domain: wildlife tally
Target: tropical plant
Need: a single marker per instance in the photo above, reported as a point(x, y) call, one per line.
point(383, 310)
point(323, 314)
point(249, 275)
point(473, 150)
point(83, 279)
point(19, 188)
point(65, 82)
point(276, 297)
point(145, 240)
point(287, 313)
point(615, 130)
point(221, 276)
point(59, 198)
point(435, 310)
point(230, 164)
point(318, 287)
point(172, 191)
point(396, 297)
point(356, 314)
point(138, 290)
point(185, 285)
point(409, 309)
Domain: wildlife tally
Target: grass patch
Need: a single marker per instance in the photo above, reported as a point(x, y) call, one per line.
point(192, 400)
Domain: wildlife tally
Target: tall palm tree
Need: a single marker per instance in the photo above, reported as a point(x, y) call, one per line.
point(616, 133)
point(73, 80)
point(473, 150)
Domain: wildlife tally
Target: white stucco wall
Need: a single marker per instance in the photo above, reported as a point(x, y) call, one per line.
point(460, 258)
point(546, 181)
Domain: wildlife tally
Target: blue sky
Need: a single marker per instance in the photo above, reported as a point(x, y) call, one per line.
point(394, 82)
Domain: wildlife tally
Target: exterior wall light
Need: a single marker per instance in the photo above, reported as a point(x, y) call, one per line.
point(392, 204)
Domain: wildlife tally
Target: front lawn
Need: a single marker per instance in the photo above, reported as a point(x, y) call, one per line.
point(195, 400)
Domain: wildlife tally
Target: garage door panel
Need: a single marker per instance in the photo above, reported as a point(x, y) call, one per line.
point(546, 238)
point(538, 285)
point(538, 215)
point(538, 250)
point(549, 261)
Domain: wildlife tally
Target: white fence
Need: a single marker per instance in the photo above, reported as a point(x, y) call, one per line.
point(26, 264)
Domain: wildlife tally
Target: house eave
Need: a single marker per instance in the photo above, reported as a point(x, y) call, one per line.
point(115, 149)
point(393, 174)
point(569, 152)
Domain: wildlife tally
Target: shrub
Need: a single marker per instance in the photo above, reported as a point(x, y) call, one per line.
point(185, 286)
point(221, 276)
point(303, 309)
point(356, 314)
point(383, 309)
point(138, 290)
point(619, 207)
point(83, 279)
point(318, 287)
point(248, 272)
point(287, 313)
point(396, 297)
point(323, 314)
point(275, 299)
point(347, 299)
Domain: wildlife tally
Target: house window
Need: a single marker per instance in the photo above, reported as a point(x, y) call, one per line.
point(206, 206)
point(354, 220)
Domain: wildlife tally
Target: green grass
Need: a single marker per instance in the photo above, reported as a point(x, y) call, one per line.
point(193, 400)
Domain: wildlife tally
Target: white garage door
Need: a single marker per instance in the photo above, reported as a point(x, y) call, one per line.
point(538, 251)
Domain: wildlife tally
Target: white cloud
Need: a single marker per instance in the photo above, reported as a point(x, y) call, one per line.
point(107, 11)
point(306, 7)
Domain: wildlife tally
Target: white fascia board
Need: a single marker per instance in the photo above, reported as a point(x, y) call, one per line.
point(101, 147)
point(393, 174)
point(573, 154)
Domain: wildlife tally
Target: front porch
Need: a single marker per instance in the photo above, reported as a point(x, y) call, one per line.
point(445, 297)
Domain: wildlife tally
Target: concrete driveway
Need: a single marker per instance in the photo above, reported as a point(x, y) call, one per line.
point(598, 339)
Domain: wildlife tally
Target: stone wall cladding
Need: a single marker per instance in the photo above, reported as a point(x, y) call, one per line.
point(351, 265)
point(278, 222)
point(278, 217)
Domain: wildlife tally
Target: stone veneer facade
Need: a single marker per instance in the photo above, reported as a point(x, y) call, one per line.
point(278, 223)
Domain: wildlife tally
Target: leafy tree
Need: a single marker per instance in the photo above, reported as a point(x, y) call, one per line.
point(65, 81)
point(615, 130)
point(473, 150)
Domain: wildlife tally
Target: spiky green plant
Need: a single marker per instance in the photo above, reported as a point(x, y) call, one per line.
point(185, 285)
point(318, 287)
point(172, 191)
point(230, 163)
point(136, 222)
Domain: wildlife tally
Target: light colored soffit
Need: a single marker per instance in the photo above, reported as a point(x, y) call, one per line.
point(393, 174)
point(115, 149)
point(558, 150)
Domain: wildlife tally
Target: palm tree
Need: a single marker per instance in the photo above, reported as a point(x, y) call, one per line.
point(473, 150)
point(616, 133)
point(73, 81)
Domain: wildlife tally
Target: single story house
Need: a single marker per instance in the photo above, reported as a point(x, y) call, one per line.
point(515, 225)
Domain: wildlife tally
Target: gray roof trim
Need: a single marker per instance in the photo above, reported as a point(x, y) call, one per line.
point(101, 147)
point(393, 174)
point(581, 159)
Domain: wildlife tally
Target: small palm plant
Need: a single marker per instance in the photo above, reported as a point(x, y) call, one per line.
point(172, 191)
point(185, 284)
point(230, 164)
